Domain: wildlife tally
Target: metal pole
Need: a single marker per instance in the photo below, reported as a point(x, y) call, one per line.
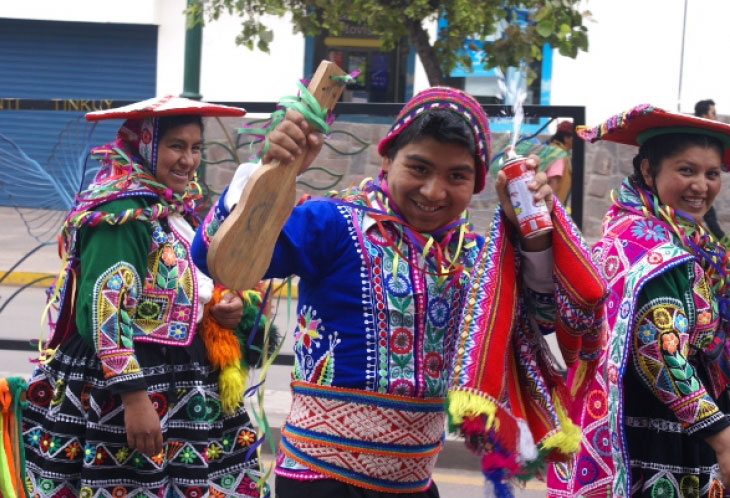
point(193, 46)
point(681, 59)
point(578, 160)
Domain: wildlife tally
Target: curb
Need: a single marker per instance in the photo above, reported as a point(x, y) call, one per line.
point(26, 278)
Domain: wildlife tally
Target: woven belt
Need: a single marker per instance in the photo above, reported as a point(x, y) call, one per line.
point(377, 441)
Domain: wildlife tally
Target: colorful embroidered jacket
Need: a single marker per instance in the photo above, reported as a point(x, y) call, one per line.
point(663, 319)
point(133, 282)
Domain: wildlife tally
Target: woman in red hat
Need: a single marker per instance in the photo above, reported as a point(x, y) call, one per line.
point(127, 400)
point(656, 421)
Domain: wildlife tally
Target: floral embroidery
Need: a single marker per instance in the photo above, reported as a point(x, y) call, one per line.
point(187, 455)
point(649, 230)
point(704, 318)
point(670, 341)
point(646, 332)
point(158, 234)
point(158, 458)
point(89, 450)
point(246, 438)
point(180, 251)
point(308, 329)
point(33, 437)
point(401, 341)
point(168, 255)
point(315, 361)
point(73, 450)
point(654, 258)
point(661, 362)
point(213, 451)
point(662, 318)
point(178, 330)
point(122, 454)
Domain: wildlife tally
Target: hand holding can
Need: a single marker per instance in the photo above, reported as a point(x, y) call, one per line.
point(533, 217)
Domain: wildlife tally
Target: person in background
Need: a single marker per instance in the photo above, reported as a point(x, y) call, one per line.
point(559, 171)
point(706, 109)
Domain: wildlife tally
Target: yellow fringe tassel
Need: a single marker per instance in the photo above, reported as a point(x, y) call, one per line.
point(224, 351)
point(232, 381)
point(567, 439)
point(462, 403)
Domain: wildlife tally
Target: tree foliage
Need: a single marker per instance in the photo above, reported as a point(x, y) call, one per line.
point(487, 26)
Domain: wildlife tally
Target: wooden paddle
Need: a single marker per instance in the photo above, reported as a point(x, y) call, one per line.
point(240, 251)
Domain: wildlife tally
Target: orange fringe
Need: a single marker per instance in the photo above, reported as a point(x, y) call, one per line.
point(221, 344)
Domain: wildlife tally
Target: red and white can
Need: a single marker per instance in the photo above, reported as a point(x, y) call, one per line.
point(533, 217)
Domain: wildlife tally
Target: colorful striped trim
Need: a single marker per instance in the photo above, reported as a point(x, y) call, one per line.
point(352, 477)
point(383, 442)
point(393, 401)
point(373, 448)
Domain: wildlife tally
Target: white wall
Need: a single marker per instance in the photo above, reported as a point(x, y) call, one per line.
point(634, 57)
point(235, 73)
point(126, 11)
point(228, 72)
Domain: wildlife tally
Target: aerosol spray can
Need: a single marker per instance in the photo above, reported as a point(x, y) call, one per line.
point(533, 217)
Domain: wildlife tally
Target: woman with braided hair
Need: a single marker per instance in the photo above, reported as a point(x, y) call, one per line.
point(656, 421)
point(140, 391)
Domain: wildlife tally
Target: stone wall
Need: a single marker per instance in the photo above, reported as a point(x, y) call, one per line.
point(606, 164)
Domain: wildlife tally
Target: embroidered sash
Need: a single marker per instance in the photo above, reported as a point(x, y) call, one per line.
point(382, 442)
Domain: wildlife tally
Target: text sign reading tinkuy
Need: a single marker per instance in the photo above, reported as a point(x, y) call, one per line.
point(86, 105)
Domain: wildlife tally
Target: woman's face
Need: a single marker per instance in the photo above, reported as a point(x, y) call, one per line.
point(178, 156)
point(688, 181)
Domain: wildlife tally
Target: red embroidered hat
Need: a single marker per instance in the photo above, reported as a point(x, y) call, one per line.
point(165, 106)
point(636, 126)
point(452, 99)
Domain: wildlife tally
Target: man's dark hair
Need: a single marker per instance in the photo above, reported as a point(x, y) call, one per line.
point(441, 125)
point(703, 107)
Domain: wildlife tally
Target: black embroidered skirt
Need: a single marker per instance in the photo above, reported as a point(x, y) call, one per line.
point(76, 445)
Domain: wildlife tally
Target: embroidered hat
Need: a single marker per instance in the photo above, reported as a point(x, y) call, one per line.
point(458, 101)
point(636, 126)
point(165, 106)
point(140, 128)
